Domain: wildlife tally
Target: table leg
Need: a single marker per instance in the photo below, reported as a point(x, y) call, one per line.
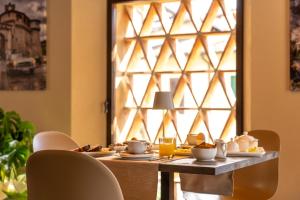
point(167, 186)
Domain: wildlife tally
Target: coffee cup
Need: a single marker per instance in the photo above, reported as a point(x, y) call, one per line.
point(137, 147)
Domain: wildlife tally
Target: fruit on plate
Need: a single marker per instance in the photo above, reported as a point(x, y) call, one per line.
point(256, 150)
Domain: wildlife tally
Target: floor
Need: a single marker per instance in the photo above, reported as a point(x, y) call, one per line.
point(180, 195)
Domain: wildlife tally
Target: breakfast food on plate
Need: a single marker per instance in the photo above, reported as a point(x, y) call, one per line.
point(88, 148)
point(204, 145)
point(183, 151)
point(95, 148)
point(117, 144)
point(83, 148)
point(204, 151)
point(256, 150)
point(105, 149)
point(186, 146)
point(118, 147)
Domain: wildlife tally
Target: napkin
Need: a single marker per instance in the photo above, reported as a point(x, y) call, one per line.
point(221, 184)
point(138, 179)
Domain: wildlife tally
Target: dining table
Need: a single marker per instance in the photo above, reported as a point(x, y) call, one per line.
point(189, 165)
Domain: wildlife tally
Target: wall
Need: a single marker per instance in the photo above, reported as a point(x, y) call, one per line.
point(88, 71)
point(272, 105)
point(49, 109)
point(73, 106)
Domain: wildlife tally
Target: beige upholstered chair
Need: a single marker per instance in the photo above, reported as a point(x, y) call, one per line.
point(260, 181)
point(67, 175)
point(53, 140)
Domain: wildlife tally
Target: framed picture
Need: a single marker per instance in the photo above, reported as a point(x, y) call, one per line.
point(295, 45)
point(23, 41)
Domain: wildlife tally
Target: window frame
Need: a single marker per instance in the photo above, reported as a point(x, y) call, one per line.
point(109, 107)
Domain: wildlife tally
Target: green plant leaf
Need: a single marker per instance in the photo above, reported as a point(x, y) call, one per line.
point(15, 144)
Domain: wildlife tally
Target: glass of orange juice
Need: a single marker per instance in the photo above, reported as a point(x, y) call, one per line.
point(167, 147)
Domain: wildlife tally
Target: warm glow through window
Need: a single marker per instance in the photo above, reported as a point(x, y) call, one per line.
point(186, 47)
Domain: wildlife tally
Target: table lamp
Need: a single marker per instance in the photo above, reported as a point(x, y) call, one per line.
point(163, 101)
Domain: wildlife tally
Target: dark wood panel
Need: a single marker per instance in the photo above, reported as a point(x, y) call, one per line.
point(109, 75)
point(240, 65)
point(167, 185)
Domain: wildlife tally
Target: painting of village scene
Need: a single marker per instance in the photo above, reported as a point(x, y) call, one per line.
point(23, 42)
point(295, 45)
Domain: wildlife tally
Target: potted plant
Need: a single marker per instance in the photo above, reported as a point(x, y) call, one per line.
point(15, 147)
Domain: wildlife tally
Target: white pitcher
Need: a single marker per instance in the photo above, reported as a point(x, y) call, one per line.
point(221, 148)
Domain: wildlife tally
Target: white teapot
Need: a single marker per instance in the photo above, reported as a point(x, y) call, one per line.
point(246, 142)
point(233, 146)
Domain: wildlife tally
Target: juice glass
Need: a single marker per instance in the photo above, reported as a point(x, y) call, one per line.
point(167, 147)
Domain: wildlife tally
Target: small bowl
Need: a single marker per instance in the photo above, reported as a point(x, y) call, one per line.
point(202, 154)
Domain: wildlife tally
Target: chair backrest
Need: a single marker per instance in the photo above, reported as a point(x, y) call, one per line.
point(53, 140)
point(260, 181)
point(63, 175)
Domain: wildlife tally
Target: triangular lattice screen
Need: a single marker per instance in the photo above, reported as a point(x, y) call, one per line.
point(186, 47)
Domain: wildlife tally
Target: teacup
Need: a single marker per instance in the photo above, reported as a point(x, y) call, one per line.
point(137, 147)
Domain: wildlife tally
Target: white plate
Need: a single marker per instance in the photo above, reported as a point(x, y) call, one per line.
point(245, 154)
point(100, 153)
point(126, 155)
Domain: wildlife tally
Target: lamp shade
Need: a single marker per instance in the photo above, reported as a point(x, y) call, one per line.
point(163, 100)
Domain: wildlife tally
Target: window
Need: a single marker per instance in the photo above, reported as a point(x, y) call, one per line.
point(191, 48)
